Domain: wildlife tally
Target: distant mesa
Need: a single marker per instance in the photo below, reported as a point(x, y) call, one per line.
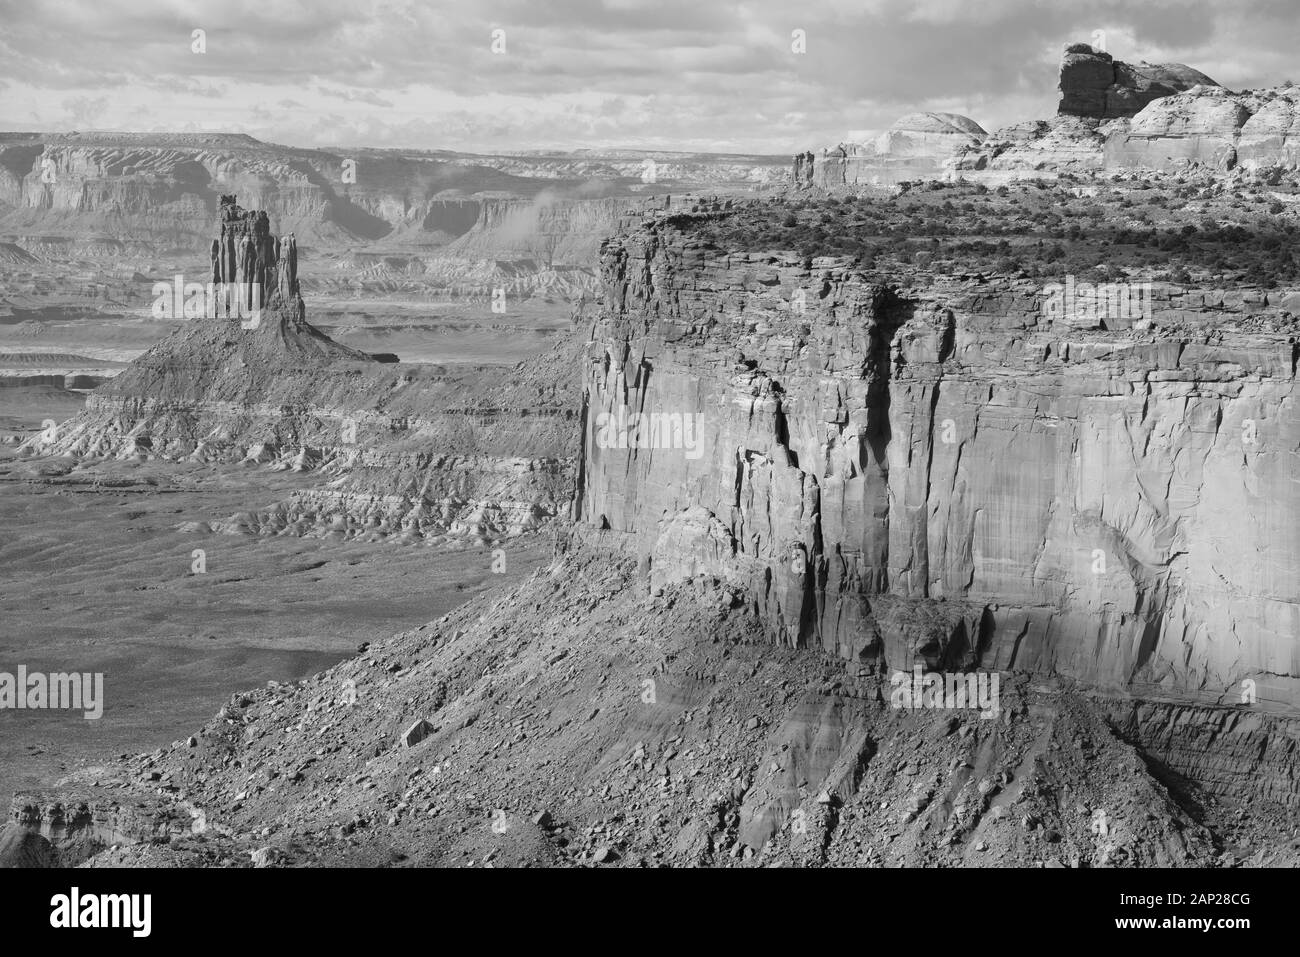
point(126, 138)
point(915, 145)
point(1094, 84)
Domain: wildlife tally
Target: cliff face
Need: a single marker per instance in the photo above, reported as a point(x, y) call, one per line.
point(940, 471)
point(1094, 84)
point(160, 190)
point(124, 189)
point(1214, 127)
point(548, 230)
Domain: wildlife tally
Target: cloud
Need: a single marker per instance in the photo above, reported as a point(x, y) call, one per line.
point(83, 111)
point(355, 96)
point(659, 73)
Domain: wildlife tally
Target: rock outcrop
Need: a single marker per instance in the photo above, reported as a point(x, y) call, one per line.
point(248, 256)
point(1114, 116)
point(915, 146)
point(1212, 127)
point(1096, 85)
point(418, 452)
point(945, 473)
point(1043, 147)
point(928, 137)
point(1097, 94)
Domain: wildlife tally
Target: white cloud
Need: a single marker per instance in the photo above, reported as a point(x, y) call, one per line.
point(651, 73)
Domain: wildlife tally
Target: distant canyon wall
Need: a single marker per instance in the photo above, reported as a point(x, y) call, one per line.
point(550, 230)
point(81, 193)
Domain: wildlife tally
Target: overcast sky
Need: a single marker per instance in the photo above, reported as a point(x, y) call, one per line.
point(697, 74)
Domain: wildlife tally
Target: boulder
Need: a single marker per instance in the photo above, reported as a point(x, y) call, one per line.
point(417, 733)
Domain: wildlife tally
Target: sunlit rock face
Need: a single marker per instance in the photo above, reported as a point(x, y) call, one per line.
point(1212, 127)
point(928, 136)
point(919, 144)
point(949, 472)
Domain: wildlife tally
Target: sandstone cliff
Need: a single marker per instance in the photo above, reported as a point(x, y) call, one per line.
point(159, 191)
point(1215, 128)
point(1094, 84)
point(937, 471)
